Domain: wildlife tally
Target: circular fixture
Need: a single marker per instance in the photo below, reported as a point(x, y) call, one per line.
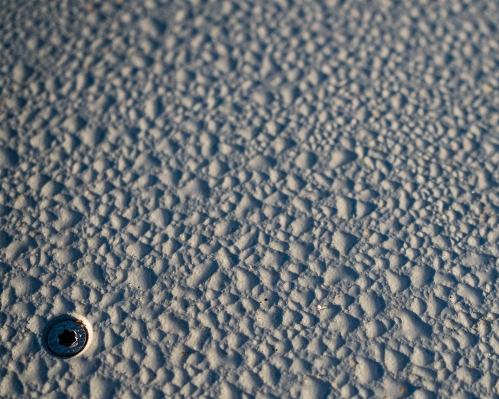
point(67, 336)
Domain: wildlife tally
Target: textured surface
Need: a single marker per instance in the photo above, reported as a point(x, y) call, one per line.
point(251, 198)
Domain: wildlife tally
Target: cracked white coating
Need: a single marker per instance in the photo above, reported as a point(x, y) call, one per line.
point(251, 199)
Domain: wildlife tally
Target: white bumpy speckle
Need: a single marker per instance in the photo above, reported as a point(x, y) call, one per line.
point(8, 158)
point(257, 199)
point(21, 72)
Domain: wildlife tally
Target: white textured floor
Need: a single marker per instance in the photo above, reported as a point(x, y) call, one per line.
point(249, 198)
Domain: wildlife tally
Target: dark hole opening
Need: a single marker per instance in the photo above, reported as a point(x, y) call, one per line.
point(67, 338)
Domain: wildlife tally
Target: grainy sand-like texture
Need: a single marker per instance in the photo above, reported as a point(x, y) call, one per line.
point(249, 198)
